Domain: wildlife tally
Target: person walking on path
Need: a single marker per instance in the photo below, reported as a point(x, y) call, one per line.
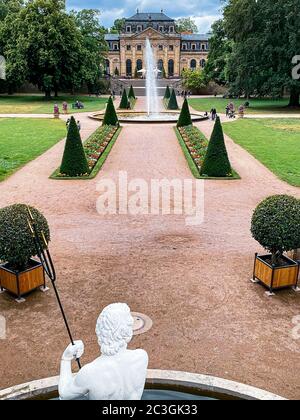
point(65, 107)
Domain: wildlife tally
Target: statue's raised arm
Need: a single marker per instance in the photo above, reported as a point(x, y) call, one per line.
point(118, 374)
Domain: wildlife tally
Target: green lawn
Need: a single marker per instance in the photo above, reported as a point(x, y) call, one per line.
point(39, 105)
point(22, 140)
point(257, 106)
point(275, 142)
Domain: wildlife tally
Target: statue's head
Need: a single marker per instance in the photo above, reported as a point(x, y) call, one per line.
point(114, 328)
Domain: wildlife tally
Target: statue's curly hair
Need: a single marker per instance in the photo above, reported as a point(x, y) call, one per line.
point(114, 328)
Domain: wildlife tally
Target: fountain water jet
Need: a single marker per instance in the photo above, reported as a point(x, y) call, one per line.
point(151, 81)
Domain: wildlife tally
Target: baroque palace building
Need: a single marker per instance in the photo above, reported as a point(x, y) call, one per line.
point(174, 51)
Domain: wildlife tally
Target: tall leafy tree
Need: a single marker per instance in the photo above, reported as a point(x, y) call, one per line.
point(266, 35)
point(186, 25)
point(118, 26)
point(93, 46)
point(220, 48)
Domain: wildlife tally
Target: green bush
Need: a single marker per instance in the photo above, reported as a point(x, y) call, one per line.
point(167, 93)
point(110, 116)
point(216, 162)
point(74, 162)
point(173, 101)
point(131, 94)
point(16, 242)
point(185, 115)
point(276, 225)
point(124, 100)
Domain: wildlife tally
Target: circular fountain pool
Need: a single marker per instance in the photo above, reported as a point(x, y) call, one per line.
point(144, 118)
point(160, 385)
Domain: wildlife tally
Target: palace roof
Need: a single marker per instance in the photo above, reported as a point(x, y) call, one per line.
point(144, 17)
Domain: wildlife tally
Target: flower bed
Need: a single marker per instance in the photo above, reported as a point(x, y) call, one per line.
point(96, 144)
point(194, 146)
point(196, 143)
point(97, 147)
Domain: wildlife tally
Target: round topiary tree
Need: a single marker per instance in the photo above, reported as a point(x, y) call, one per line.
point(185, 115)
point(216, 162)
point(74, 162)
point(124, 100)
point(276, 225)
point(110, 116)
point(173, 105)
point(16, 242)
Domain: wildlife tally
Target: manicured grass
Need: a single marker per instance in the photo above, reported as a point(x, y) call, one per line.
point(275, 142)
point(39, 105)
point(257, 106)
point(22, 140)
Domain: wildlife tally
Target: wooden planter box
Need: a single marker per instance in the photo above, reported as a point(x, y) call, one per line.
point(275, 277)
point(23, 282)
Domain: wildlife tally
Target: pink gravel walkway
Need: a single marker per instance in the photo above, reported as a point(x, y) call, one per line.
point(192, 281)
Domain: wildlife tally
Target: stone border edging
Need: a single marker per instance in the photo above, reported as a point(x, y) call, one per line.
point(186, 381)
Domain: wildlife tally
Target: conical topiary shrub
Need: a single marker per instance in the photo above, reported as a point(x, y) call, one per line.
point(216, 162)
point(74, 162)
point(110, 117)
point(173, 101)
point(124, 100)
point(167, 93)
point(131, 93)
point(185, 116)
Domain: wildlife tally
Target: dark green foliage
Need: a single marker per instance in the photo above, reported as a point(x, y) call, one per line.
point(110, 117)
point(131, 93)
point(124, 100)
point(16, 241)
point(74, 162)
point(276, 224)
point(216, 162)
point(167, 93)
point(185, 116)
point(173, 101)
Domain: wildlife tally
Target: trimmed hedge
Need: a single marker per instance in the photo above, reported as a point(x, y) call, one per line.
point(74, 162)
point(131, 94)
point(16, 242)
point(173, 105)
point(124, 100)
point(276, 225)
point(110, 117)
point(216, 162)
point(167, 93)
point(185, 115)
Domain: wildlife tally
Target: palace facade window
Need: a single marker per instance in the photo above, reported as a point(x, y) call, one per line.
point(184, 47)
point(171, 68)
point(128, 47)
point(194, 47)
point(160, 47)
point(193, 64)
point(115, 47)
point(202, 63)
point(161, 28)
point(128, 68)
point(139, 28)
point(128, 28)
point(171, 29)
point(171, 47)
point(139, 47)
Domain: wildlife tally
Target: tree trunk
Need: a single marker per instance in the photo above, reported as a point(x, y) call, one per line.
point(294, 97)
point(48, 94)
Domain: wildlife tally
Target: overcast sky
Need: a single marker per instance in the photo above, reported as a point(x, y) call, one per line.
point(204, 12)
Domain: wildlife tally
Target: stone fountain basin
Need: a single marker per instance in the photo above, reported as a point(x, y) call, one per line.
point(160, 385)
point(132, 117)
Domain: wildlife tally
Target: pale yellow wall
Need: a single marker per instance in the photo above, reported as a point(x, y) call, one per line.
point(181, 59)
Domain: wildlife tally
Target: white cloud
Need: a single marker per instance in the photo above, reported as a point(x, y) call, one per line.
point(204, 22)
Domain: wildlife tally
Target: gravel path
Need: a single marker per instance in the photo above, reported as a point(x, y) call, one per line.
point(192, 281)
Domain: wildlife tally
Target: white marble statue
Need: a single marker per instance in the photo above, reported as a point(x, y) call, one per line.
point(118, 374)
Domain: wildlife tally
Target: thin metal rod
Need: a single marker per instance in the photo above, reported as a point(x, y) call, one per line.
point(48, 266)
